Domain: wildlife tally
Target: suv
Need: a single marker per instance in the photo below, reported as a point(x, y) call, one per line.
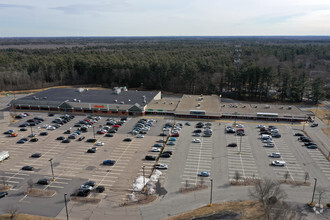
point(148, 157)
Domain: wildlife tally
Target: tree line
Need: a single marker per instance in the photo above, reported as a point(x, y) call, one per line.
point(268, 69)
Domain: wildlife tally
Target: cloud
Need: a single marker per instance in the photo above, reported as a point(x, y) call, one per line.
point(5, 6)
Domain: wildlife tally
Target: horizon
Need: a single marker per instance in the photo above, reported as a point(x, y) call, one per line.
point(150, 18)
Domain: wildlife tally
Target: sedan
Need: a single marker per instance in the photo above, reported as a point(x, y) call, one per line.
point(29, 168)
point(109, 162)
point(204, 174)
point(148, 157)
point(34, 139)
point(91, 140)
point(43, 181)
point(81, 138)
point(196, 141)
point(139, 136)
point(91, 150)
point(162, 134)
point(90, 183)
point(269, 145)
point(99, 144)
point(155, 149)
point(269, 140)
point(161, 166)
point(36, 155)
point(109, 135)
point(275, 155)
point(127, 139)
point(171, 143)
point(165, 155)
point(299, 134)
point(276, 135)
point(172, 139)
point(21, 141)
point(43, 133)
point(66, 141)
point(158, 145)
point(196, 135)
point(232, 145)
point(312, 146)
point(23, 129)
point(278, 163)
point(3, 194)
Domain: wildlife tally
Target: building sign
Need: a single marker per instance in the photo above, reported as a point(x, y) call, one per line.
point(98, 106)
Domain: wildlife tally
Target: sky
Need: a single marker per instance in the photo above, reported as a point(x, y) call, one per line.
point(45, 18)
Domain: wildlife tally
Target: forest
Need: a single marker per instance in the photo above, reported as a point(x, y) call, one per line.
point(286, 69)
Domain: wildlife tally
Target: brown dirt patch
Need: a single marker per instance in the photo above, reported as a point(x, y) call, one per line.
point(25, 217)
point(192, 189)
point(298, 183)
point(5, 188)
point(85, 199)
point(247, 210)
point(244, 182)
point(141, 199)
point(40, 193)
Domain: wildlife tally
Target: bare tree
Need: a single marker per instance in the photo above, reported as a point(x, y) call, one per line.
point(268, 192)
point(13, 211)
point(286, 175)
point(306, 176)
point(237, 176)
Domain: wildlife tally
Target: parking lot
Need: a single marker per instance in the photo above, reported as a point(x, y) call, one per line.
point(72, 165)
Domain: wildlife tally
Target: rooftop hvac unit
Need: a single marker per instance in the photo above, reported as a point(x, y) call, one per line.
point(74, 100)
point(267, 106)
point(45, 97)
point(81, 89)
point(122, 102)
point(129, 100)
point(115, 100)
point(289, 107)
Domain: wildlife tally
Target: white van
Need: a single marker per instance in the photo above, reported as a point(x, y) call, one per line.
point(4, 155)
point(265, 136)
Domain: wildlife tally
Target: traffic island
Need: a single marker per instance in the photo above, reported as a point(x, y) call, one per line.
point(85, 199)
point(40, 193)
point(244, 182)
point(5, 188)
point(192, 188)
point(139, 199)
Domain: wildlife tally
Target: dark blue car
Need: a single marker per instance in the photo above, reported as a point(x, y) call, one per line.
point(109, 162)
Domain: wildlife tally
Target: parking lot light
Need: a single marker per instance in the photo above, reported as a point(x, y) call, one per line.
point(312, 202)
point(66, 207)
point(94, 131)
point(211, 192)
point(240, 145)
point(144, 179)
point(51, 166)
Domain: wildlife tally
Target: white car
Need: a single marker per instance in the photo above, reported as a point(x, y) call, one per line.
point(278, 163)
point(261, 126)
point(196, 135)
point(45, 126)
point(166, 129)
point(275, 155)
point(155, 149)
point(269, 145)
point(161, 166)
point(51, 128)
point(239, 126)
point(140, 136)
point(196, 141)
point(267, 141)
point(99, 143)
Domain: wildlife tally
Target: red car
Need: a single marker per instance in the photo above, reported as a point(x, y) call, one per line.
point(175, 135)
point(101, 132)
point(116, 126)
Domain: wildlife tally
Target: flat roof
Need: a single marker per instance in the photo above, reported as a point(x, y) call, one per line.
point(165, 104)
point(210, 104)
point(104, 96)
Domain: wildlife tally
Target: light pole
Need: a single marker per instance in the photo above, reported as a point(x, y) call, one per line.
point(31, 131)
point(51, 166)
point(211, 192)
point(66, 207)
point(304, 126)
point(94, 131)
point(312, 202)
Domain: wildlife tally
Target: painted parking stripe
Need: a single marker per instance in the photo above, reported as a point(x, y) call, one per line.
point(111, 177)
point(52, 186)
point(58, 178)
point(12, 177)
point(22, 174)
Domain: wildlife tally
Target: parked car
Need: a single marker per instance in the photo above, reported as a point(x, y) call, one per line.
point(36, 155)
point(275, 155)
point(276, 135)
point(81, 138)
point(99, 143)
point(34, 139)
point(314, 125)
point(83, 192)
point(148, 157)
point(232, 145)
point(90, 183)
point(127, 139)
point(204, 174)
point(139, 136)
point(162, 134)
point(66, 141)
point(23, 129)
point(196, 140)
point(21, 141)
point(43, 133)
point(175, 135)
point(161, 166)
point(172, 139)
point(60, 138)
point(278, 163)
point(168, 152)
point(109, 162)
point(155, 149)
point(269, 145)
point(3, 194)
point(299, 134)
point(312, 146)
point(165, 155)
point(28, 168)
point(43, 182)
point(91, 150)
point(158, 145)
point(91, 140)
point(171, 143)
point(100, 189)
